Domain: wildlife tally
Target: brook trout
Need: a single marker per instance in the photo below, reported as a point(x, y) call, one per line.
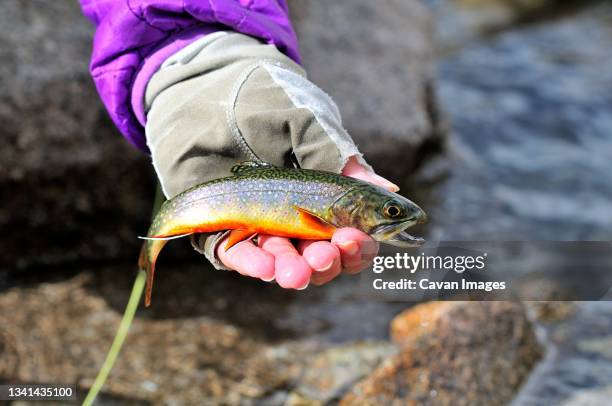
point(295, 203)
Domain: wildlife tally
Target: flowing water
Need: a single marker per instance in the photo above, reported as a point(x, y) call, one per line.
point(531, 113)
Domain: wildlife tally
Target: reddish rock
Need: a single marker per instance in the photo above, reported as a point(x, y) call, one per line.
point(472, 353)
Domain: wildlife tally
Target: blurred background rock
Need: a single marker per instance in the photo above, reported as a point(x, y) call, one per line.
point(71, 187)
point(462, 21)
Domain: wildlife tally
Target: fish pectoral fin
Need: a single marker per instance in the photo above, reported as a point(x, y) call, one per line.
point(313, 222)
point(236, 236)
point(170, 237)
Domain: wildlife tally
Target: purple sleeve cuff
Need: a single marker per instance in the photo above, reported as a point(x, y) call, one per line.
point(134, 37)
point(154, 60)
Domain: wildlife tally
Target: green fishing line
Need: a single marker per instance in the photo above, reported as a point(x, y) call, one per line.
point(124, 327)
point(126, 322)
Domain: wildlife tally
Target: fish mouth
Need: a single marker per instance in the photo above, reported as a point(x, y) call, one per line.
point(395, 234)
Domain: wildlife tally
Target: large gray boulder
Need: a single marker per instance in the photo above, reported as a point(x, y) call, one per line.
point(71, 187)
point(376, 60)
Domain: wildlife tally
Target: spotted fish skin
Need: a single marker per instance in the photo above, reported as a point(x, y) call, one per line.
point(259, 198)
point(263, 199)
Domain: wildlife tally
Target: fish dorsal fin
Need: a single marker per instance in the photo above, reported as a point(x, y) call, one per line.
point(248, 166)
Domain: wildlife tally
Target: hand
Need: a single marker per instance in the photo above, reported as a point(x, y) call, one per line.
point(308, 261)
point(276, 116)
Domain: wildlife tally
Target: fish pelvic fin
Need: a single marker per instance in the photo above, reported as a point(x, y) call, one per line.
point(314, 223)
point(236, 236)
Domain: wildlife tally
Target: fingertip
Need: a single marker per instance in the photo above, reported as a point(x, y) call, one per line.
point(383, 182)
point(247, 259)
point(348, 239)
point(292, 271)
point(261, 265)
point(369, 250)
point(353, 269)
point(350, 247)
point(355, 170)
point(321, 278)
point(320, 255)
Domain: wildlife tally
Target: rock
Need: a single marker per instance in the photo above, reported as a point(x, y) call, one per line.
point(460, 22)
point(226, 348)
point(327, 375)
point(577, 369)
point(418, 321)
point(60, 332)
point(476, 353)
point(71, 187)
point(380, 75)
point(551, 311)
point(522, 9)
point(590, 397)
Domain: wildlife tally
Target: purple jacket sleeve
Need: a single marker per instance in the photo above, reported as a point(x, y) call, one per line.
point(134, 37)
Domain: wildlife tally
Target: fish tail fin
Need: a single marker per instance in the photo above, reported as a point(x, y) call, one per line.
point(148, 256)
point(146, 262)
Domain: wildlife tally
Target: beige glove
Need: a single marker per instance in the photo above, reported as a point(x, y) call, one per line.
point(228, 98)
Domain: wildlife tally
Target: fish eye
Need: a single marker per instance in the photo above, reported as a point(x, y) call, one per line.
point(392, 210)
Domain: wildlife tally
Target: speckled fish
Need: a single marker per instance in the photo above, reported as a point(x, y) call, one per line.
point(295, 203)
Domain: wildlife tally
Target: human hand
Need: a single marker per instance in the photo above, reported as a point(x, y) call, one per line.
point(233, 98)
point(296, 264)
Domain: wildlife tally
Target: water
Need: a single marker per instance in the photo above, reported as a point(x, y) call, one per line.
point(578, 363)
point(531, 147)
point(531, 113)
